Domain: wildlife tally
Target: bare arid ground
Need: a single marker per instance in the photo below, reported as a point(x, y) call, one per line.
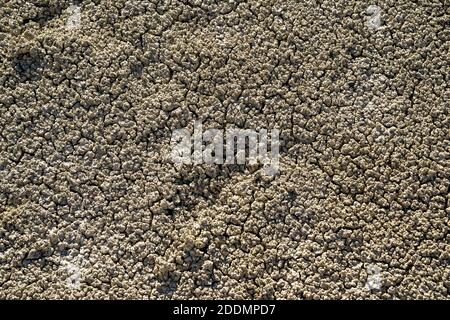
point(91, 207)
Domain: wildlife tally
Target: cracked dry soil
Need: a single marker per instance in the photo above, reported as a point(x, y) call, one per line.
point(92, 207)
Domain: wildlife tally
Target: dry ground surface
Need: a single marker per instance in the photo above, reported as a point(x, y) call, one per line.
point(92, 207)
